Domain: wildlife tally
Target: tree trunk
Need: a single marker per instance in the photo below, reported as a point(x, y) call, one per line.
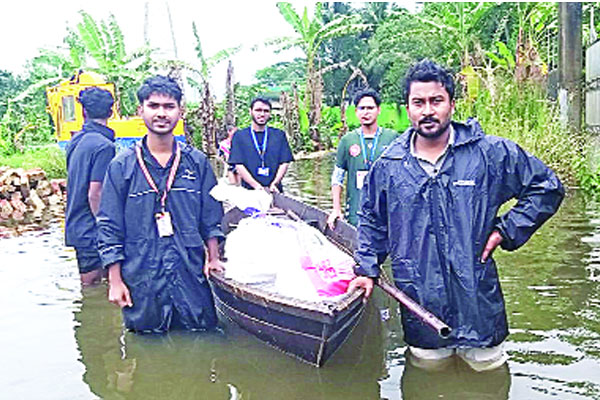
point(229, 100)
point(291, 118)
point(176, 73)
point(206, 111)
point(314, 89)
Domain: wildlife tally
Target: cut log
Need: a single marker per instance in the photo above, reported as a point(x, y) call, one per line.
point(5, 209)
point(27, 191)
point(35, 201)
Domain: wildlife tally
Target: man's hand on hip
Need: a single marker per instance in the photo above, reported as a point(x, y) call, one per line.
point(493, 241)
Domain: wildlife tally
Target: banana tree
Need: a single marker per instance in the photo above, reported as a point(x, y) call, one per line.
point(206, 111)
point(311, 34)
point(104, 43)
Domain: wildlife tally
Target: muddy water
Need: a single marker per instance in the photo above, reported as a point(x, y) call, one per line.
point(59, 343)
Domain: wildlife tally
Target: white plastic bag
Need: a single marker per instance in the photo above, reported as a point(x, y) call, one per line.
point(295, 259)
point(242, 198)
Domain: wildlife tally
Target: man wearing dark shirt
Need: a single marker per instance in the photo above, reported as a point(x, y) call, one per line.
point(88, 155)
point(158, 227)
point(260, 154)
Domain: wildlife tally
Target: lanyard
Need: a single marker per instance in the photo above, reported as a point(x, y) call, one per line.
point(261, 152)
point(370, 160)
point(170, 179)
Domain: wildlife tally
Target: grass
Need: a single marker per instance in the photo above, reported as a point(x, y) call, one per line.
point(522, 113)
point(50, 158)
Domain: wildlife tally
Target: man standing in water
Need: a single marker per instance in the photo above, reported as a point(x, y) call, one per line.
point(356, 153)
point(88, 154)
point(156, 218)
point(431, 203)
point(261, 155)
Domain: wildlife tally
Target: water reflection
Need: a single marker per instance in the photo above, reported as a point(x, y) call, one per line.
point(225, 365)
point(453, 380)
point(57, 343)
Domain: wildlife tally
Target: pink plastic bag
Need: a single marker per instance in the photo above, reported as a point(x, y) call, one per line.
point(329, 277)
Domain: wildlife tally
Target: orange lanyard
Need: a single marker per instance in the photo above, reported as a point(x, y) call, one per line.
point(170, 179)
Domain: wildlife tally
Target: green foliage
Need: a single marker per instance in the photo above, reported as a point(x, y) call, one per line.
point(352, 49)
point(50, 158)
point(311, 34)
point(104, 43)
point(395, 46)
point(392, 117)
point(243, 97)
point(10, 86)
point(283, 74)
point(522, 113)
point(25, 122)
point(504, 59)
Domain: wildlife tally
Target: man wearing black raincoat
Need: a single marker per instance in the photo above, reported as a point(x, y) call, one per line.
point(156, 217)
point(431, 203)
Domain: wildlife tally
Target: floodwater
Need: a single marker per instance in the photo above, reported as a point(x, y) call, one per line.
point(59, 343)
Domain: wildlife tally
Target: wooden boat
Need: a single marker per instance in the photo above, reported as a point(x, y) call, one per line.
point(310, 331)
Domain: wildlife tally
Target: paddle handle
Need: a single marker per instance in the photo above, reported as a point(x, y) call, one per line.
point(426, 316)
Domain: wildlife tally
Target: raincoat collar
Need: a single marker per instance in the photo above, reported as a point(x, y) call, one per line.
point(93, 126)
point(149, 158)
point(464, 133)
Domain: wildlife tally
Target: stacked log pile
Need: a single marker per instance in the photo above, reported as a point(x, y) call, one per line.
point(27, 192)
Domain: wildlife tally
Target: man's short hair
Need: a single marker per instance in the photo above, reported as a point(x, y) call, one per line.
point(428, 71)
point(261, 99)
point(367, 93)
point(96, 102)
point(159, 84)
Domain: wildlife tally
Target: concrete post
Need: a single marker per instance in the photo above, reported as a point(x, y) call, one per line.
point(570, 65)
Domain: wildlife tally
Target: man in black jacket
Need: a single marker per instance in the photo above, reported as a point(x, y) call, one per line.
point(158, 226)
point(88, 154)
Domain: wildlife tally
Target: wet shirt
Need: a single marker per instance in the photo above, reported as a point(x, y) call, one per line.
point(434, 229)
point(88, 154)
point(243, 151)
point(350, 158)
point(164, 274)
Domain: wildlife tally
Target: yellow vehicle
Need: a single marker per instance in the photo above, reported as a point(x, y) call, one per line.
point(67, 113)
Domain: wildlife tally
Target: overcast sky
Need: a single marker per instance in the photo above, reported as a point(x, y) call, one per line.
point(27, 25)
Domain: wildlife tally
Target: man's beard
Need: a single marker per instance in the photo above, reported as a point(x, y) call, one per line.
point(435, 134)
point(258, 123)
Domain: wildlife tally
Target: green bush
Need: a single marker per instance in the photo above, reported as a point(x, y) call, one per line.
point(50, 158)
point(522, 113)
point(392, 117)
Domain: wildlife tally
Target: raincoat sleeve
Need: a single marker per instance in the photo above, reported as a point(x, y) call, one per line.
point(372, 224)
point(110, 219)
point(538, 192)
point(212, 210)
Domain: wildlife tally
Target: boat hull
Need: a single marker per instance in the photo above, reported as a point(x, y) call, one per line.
point(310, 331)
